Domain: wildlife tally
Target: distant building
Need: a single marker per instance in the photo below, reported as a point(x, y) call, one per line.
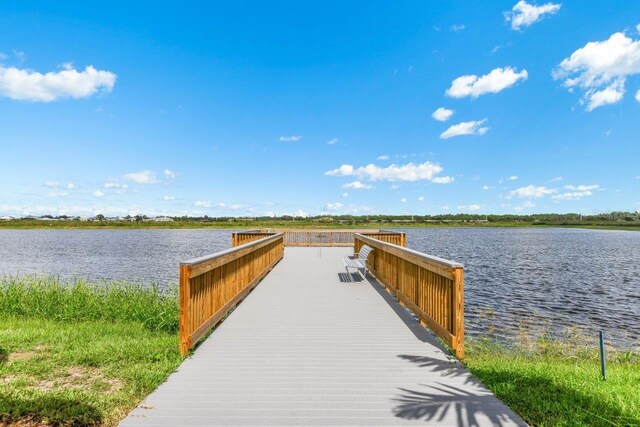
point(163, 219)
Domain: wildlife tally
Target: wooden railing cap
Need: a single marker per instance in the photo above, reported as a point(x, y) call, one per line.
point(202, 259)
point(432, 258)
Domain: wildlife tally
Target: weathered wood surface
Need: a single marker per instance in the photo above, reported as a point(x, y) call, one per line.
point(305, 348)
point(431, 287)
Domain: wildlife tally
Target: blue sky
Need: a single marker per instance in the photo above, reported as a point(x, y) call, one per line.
point(256, 108)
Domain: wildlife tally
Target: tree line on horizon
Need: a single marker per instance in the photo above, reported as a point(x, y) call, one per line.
point(615, 216)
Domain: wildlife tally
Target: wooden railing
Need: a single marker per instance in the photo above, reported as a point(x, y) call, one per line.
point(213, 285)
point(431, 287)
point(243, 237)
point(319, 237)
point(394, 237)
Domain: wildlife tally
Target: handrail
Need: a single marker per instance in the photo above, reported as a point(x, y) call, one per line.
point(242, 237)
point(431, 287)
point(319, 236)
point(212, 285)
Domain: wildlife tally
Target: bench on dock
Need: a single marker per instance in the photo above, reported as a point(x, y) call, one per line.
point(358, 260)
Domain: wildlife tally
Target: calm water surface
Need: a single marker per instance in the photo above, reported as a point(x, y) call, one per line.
point(544, 279)
point(549, 279)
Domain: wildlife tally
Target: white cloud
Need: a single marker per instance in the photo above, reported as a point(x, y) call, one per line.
point(524, 14)
point(443, 180)
point(115, 185)
point(403, 200)
point(3, 56)
point(525, 205)
point(169, 174)
point(142, 177)
point(472, 208)
point(98, 193)
point(421, 199)
point(383, 157)
point(71, 186)
point(168, 198)
point(556, 179)
point(291, 138)
point(512, 178)
point(486, 187)
point(333, 206)
point(465, 128)
point(332, 141)
point(442, 114)
point(496, 81)
point(202, 204)
point(51, 184)
point(357, 185)
point(344, 170)
point(582, 187)
point(59, 194)
point(607, 96)
point(532, 191)
point(409, 172)
point(457, 27)
point(600, 69)
point(638, 96)
point(27, 85)
point(345, 194)
point(576, 192)
point(300, 213)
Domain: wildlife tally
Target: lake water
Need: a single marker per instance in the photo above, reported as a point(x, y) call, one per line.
point(536, 278)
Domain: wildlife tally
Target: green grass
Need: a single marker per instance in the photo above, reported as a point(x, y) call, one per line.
point(75, 354)
point(558, 383)
point(78, 354)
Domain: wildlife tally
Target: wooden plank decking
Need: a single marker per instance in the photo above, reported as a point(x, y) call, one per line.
point(308, 348)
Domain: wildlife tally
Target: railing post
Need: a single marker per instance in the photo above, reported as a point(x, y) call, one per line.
point(185, 334)
point(458, 312)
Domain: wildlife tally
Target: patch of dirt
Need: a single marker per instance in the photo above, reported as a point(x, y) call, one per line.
point(25, 422)
point(81, 378)
point(20, 355)
point(7, 379)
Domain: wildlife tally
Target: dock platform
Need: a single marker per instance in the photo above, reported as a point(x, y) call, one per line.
point(311, 345)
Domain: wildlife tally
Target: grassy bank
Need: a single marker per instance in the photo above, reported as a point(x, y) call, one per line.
point(79, 354)
point(558, 383)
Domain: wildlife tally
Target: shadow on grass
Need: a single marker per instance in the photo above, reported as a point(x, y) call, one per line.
point(542, 401)
point(4, 356)
point(48, 409)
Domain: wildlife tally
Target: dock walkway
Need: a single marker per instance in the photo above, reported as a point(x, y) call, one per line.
point(310, 347)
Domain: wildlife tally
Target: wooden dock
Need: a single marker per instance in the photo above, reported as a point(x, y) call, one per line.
point(313, 346)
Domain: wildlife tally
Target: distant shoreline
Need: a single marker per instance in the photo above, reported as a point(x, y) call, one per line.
point(243, 224)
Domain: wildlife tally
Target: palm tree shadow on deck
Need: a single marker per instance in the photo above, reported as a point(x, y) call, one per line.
point(468, 403)
point(453, 405)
